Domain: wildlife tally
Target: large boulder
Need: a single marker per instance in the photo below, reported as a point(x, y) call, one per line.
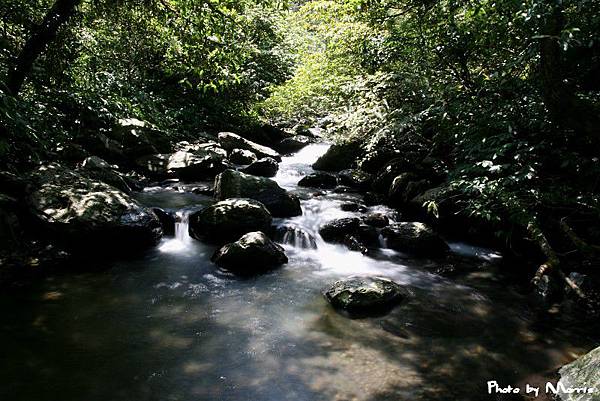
point(293, 144)
point(201, 164)
point(356, 179)
point(415, 238)
point(339, 157)
point(365, 295)
point(337, 230)
point(265, 167)
point(583, 374)
point(318, 180)
point(87, 214)
point(136, 138)
point(230, 141)
point(242, 156)
point(235, 184)
point(252, 253)
point(98, 169)
point(228, 220)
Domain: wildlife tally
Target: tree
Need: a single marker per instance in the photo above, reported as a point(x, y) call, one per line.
point(41, 36)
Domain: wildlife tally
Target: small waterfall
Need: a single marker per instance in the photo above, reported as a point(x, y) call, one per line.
point(296, 236)
point(182, 239)
point(182, 224)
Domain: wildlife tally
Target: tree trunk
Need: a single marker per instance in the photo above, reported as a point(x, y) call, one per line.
point(565, 108)
point(41, 36)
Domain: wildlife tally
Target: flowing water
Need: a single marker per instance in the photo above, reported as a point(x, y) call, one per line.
point(168, 325)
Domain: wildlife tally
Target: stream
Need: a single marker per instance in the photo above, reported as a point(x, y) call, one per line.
point(168, 325)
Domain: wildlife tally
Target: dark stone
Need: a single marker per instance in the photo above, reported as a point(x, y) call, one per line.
point(253, 253)
point(342, 189)
point(415, 238)
point(293, 144)
point(242, 156)
point(355, 244)
point(398, 194)
point(235, 184)
point(167, 220)
point(352, 207)
point(356, 179)
point(265, 167)
point(385, 176)
point(337, 230)
point(375, 219)
point(228, 220)
point(365, 295)
point(339, 157)
point(318, 180)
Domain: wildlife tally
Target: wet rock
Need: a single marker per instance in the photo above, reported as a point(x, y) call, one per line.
point(154, 166)
point(98, 169)
point(365, 295)
point(230, 141)
point(339, 157)
point(229, 219)
point(167, 220)
point(386, 175)
point(375, 219)
point(242, 156)
point(337, 230)
point(355, 244)
point(415, 238)
point(356, 179)
point(293, 144)
point(583, 373)
point(352, 207)
point(252, 253)
point(87, 214)
point(207, 190)
point(297, 236)
point(265, 167)
point(398, 194)
point(318, 180)
point(368, 235)
point(235, 184)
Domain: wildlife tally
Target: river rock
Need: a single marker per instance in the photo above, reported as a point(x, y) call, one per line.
point(265, 167)
point(293, 144)
point(242, 156)
point(252, 253)
point(365, 295)
point(87, 214)
point(583, 373)
point(339, 157)
point(202, 164)
point(352, 207)
point(375, 219)
point(167, 220)
point(230, 141)
point(96, 168)
point(356, 179)
point(318, 180)
point(386, 175)
point(416, 238)
point(235, 184)
point(136, 138)
point(229, 219)
point(337, 230)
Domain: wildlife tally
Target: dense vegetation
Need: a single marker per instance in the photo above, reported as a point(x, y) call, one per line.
point(501, 98)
